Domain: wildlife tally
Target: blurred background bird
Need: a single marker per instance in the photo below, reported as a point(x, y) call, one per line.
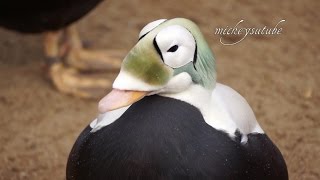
point(67, 56)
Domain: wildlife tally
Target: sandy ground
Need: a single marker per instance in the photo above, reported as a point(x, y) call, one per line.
point(278, 75)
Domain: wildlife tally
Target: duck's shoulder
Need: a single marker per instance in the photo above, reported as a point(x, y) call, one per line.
point(236, 108)
point(222, 108)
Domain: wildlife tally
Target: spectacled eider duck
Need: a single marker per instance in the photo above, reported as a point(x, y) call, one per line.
point(167, 118)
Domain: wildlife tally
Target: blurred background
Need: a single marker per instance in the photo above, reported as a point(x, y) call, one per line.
point(278, 75)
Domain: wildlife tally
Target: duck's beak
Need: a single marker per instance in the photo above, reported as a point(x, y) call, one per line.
point(120, 98)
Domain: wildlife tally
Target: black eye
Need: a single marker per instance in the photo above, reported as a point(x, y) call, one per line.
point(173, 48)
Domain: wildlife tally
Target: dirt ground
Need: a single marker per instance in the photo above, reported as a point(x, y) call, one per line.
point(279, 76)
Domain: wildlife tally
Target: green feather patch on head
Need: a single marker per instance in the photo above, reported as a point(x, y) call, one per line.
point(144, 64)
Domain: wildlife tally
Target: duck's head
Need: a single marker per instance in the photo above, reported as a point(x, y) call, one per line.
point(170, 56)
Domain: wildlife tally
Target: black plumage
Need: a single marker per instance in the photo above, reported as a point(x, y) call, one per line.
point(164, 138)
point(34, 16)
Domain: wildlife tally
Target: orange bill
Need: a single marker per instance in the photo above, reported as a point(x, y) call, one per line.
point(120, 98)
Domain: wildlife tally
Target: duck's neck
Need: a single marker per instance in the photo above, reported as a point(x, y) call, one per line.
point(195, 95)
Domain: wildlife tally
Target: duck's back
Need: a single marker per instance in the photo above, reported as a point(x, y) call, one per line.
point(38, 16)
point(164, 138)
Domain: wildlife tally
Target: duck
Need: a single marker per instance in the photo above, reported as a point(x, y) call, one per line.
point(66, 55)
point(167, 117)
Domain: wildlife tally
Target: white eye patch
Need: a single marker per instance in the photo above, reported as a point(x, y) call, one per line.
point(177, 45)
point(150, 26)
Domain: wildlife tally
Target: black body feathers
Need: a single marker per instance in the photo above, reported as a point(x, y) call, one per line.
point(164, 138)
